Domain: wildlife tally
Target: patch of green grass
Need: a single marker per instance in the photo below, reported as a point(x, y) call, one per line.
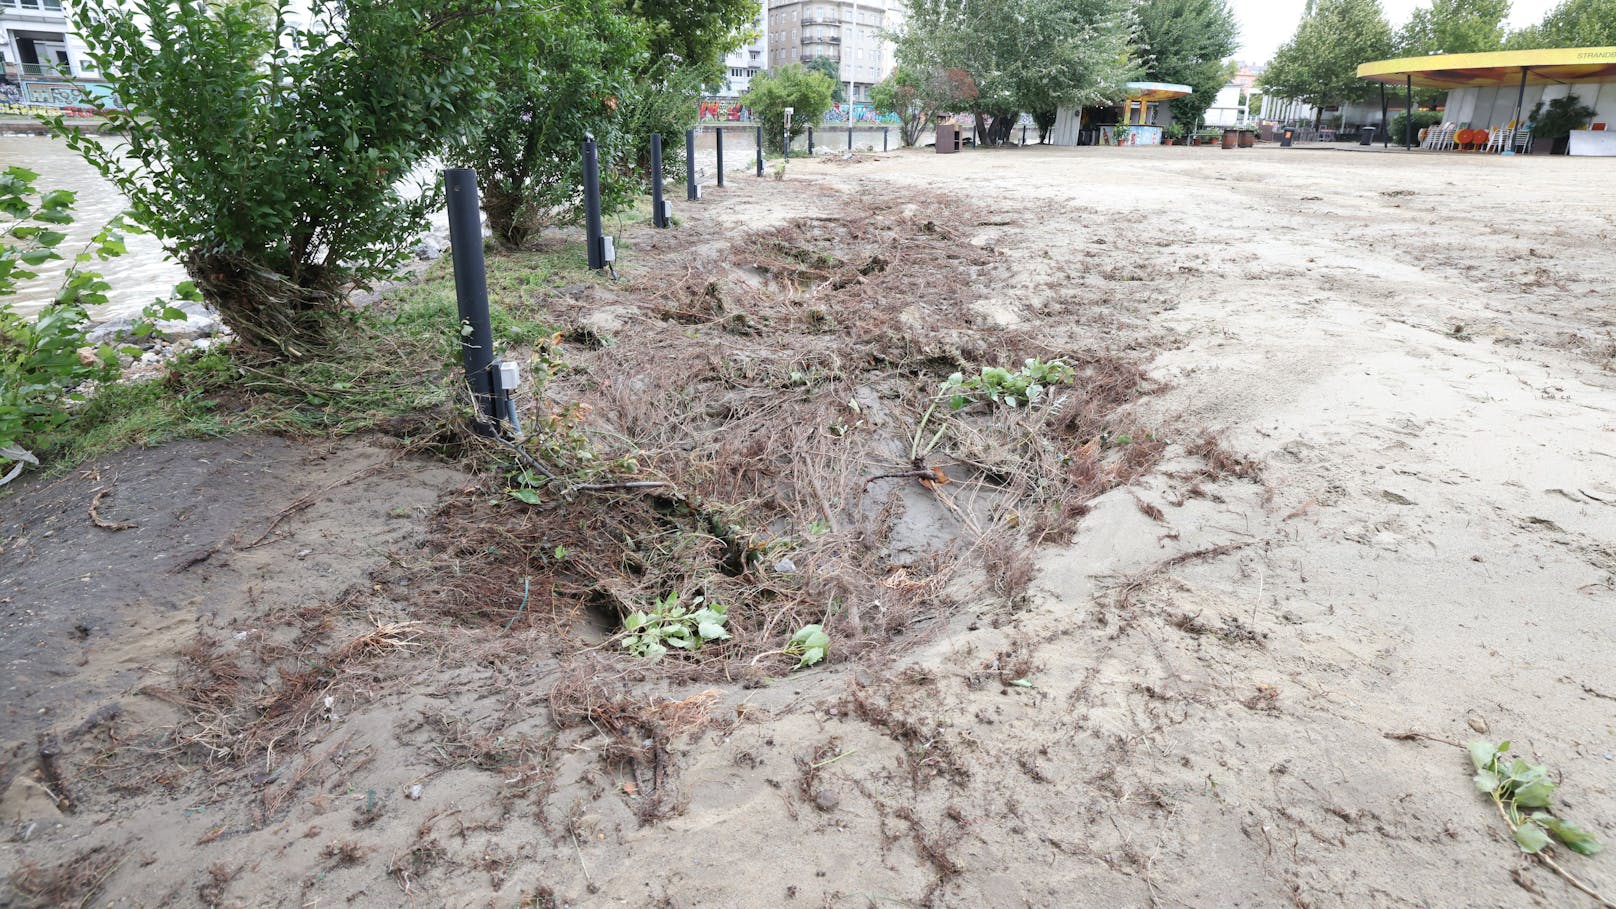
point(133, 413)
point(397, 370)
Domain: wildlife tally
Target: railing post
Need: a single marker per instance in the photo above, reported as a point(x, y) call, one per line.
point(850, 137)
point(760, 150)
point(718, 136)
point(1023, 135)
point(692, 191)
point(592, 222)
point(659, 207)
point(810, 141)
point(471, 295)
point(885, 130)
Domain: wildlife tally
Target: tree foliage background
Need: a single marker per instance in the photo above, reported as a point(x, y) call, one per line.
point(806, 91)
point(1574, 23)
point(1186, 42)
point(585, 54)
point(1319, 64)
point(997, 58)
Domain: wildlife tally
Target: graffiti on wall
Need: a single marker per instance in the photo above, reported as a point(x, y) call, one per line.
point(61, 95)
point(726, 110)
point(862, 111)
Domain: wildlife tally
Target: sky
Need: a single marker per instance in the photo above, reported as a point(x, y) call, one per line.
point(1266, 24)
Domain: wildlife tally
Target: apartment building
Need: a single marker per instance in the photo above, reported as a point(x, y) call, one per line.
point(38, 53)
point(744, 63)
point(851, 32)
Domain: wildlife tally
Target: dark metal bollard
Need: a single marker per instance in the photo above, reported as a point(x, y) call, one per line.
point(471, 295)
point(692, 191)
point(595, 236)
point(1023, 135)
point(884, 131)
point(718, 136)
point(850, 138)
point(760, 150)
point(659, 207)
point(810, 141)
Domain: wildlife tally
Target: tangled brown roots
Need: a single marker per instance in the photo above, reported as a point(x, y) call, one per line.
point(273, 316)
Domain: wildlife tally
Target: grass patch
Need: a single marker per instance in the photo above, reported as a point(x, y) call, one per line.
point(397, 370)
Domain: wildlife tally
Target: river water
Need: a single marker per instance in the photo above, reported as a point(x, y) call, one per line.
point(146, 272)
point(137, 277)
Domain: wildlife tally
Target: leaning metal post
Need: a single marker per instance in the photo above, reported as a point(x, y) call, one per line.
point(659, 214)
point(471, 295)
point(718, 137)
point(691, 191)
point(593, 230)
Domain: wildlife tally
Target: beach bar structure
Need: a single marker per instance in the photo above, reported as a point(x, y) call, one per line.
point(1144, 113)
point(1497, 90)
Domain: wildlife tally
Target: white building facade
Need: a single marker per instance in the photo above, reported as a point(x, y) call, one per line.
point(38, 52)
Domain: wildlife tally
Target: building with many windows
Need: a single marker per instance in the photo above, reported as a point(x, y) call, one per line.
point(39, 53)
point(854, 33)
point(744, 63)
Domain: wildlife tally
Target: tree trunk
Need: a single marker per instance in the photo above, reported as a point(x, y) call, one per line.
point(982, 137)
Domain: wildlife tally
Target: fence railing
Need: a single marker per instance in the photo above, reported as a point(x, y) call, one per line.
point(45, 70)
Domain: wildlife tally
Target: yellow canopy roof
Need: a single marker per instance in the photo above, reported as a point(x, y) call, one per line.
point(1542, 67)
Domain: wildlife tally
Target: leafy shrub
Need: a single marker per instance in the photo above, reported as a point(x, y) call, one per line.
point(1559, 117)
point(527, 153)
point(902, 95)
point(806, 92)
point(40, 361)
point(268, 156)
point(1423, 119)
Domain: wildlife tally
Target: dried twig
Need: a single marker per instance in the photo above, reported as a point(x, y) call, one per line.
point(103, 523)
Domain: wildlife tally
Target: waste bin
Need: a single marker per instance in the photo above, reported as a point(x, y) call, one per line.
point(1287, 137)
point(948, 138)
point(1366, 136)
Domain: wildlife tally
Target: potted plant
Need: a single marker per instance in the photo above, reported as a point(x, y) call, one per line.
point(1173, 134)
point(1119, 134)
point(1552, 125)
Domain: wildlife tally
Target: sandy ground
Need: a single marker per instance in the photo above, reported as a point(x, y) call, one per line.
point(1419, 350)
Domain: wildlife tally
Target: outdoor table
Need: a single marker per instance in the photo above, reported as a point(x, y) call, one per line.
point(1587, 143)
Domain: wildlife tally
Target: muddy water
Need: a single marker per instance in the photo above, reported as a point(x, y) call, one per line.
point(137, 277)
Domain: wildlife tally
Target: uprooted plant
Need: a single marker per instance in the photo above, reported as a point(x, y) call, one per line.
point(731, 434)
point(1523, 793)
point(667, 624)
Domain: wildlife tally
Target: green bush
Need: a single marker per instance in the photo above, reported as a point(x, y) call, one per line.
point(902, 95)
point(527, 153)
point(40, 361)
point(1559, 117)
point(805, 91)
point(1423, 119)
point(269, 157)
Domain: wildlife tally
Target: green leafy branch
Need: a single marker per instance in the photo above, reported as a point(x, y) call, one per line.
point(1023, 387)
point(650, 634)
point(1523, 793)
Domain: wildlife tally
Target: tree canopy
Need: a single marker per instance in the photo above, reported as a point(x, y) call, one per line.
point(1319, 64)
point(1574, 23)
point(1454, 27)
point(996, 58)
point(832, 68)
point(1186, 42)
point(807, 92)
